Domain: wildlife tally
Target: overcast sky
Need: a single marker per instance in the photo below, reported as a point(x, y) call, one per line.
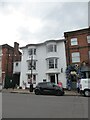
point(26, 22)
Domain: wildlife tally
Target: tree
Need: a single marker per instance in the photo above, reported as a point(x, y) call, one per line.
point(73, 73)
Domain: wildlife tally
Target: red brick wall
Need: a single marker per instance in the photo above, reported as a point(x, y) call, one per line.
point(83, 47)
point(7, 61)
point(10, 55)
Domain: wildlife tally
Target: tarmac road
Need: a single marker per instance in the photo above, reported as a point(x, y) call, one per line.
point(0, 106)
point(39, 106)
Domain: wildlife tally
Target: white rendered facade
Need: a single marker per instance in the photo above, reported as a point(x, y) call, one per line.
point(0, 64)
point(48, 63)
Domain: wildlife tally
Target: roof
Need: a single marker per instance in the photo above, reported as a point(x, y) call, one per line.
point(85, 30)
point(7, 46)
point(60, 40)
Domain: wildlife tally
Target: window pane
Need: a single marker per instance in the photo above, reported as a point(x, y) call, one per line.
point(51, 63)
point(74, 41)
point(29, 65)
point(55, 48)
point(75, 57)
point(50, 48)
point(89, 54)
point(34, 79)
point(34, 51)
point(55, 63)
point(34, 65)
point(30, 51)
point(88, 39)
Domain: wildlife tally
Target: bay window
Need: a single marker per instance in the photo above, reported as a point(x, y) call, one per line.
point(32, 51)
point(52, 63)
point(32, 65)
point(52, 48)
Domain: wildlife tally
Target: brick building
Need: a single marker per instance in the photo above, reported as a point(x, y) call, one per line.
point(78, 48)
point(9, 55)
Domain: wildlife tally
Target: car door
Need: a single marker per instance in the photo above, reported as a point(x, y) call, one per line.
point(43, 88)
point(50, 88)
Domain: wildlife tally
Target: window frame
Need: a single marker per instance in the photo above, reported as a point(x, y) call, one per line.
point(75, 58)
point(32, 64)
point(74, 41)
point(88, 38)
point(29, 77)
point(52, 48)
point(89, 53)
point(32, 51)
point(53, 64)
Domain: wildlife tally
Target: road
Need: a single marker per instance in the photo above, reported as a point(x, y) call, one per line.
point(0, 105)
point(16, 105)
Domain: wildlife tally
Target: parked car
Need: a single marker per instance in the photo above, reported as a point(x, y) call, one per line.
point(48, 88)
point(85, 87)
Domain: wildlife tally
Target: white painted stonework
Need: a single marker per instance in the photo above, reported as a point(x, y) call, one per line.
point(0, 64)
point(49, 63)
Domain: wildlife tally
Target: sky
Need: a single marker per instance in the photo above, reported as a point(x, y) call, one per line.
point(35, 21)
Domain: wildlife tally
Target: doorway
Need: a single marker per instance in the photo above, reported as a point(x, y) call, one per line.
point(52, 78)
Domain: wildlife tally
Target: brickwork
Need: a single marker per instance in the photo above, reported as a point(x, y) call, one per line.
point(9, 55)
point(83, 46)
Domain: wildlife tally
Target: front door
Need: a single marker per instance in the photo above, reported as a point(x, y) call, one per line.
point(52, 78)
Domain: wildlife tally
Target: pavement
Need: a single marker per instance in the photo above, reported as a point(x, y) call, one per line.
point(26, 91)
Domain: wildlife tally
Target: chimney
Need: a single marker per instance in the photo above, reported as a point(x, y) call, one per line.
point(16, 51)
point(16, 46)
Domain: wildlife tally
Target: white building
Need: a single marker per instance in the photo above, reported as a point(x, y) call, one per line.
point(0, 64)
point(48, 62)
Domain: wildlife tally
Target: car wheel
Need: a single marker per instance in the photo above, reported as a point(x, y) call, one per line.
point(58, 93)
point(37, 92)
point(87, 93)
